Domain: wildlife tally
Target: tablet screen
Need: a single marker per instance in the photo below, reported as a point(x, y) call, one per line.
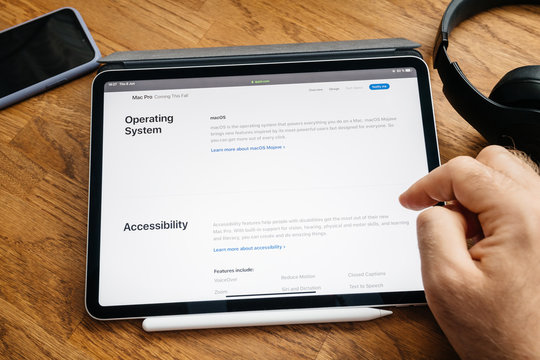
point(270, 184)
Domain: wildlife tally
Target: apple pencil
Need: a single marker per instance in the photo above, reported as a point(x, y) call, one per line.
point(262, 318)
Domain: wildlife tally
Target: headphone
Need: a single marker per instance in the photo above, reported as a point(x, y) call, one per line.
point(510, 116)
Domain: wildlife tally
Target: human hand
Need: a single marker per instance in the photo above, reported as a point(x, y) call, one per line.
point(486, 298)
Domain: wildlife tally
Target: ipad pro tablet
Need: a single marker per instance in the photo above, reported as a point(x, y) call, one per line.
point(256, 187)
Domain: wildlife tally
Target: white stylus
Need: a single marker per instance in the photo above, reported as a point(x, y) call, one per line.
point(262, 318)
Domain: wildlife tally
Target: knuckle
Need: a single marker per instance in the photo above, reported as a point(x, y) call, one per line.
point(460, 162)
point(426, 219)
point(477, 176)
point(492, 151)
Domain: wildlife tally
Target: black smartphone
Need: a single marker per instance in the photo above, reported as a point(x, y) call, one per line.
point(43, 53)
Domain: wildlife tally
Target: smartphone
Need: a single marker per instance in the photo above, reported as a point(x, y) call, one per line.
point(43, 53)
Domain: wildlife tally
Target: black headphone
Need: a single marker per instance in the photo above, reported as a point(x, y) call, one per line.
point(511, 114)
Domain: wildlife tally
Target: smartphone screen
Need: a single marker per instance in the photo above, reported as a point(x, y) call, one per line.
point(41, 49)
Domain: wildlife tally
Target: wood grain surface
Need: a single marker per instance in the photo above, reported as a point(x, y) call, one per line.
point(44, 150)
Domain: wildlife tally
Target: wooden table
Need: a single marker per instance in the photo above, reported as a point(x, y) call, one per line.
point(44, 150)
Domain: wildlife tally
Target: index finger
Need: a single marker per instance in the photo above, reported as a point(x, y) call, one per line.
point(474, 185)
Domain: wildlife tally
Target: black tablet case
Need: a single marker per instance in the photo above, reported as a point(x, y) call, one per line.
point(241, 55)
point(352, 49)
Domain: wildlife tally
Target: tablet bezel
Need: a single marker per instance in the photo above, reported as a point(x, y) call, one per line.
point(272, 303)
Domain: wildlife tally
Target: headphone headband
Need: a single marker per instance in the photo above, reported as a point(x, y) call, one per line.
point(498, 123)
point(460, 10)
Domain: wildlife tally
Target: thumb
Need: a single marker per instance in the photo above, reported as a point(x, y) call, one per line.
point(443, 248)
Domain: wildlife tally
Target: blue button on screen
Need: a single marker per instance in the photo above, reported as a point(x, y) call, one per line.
point(379, 86)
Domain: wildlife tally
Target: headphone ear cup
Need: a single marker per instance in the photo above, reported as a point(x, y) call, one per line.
point(519, 88)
